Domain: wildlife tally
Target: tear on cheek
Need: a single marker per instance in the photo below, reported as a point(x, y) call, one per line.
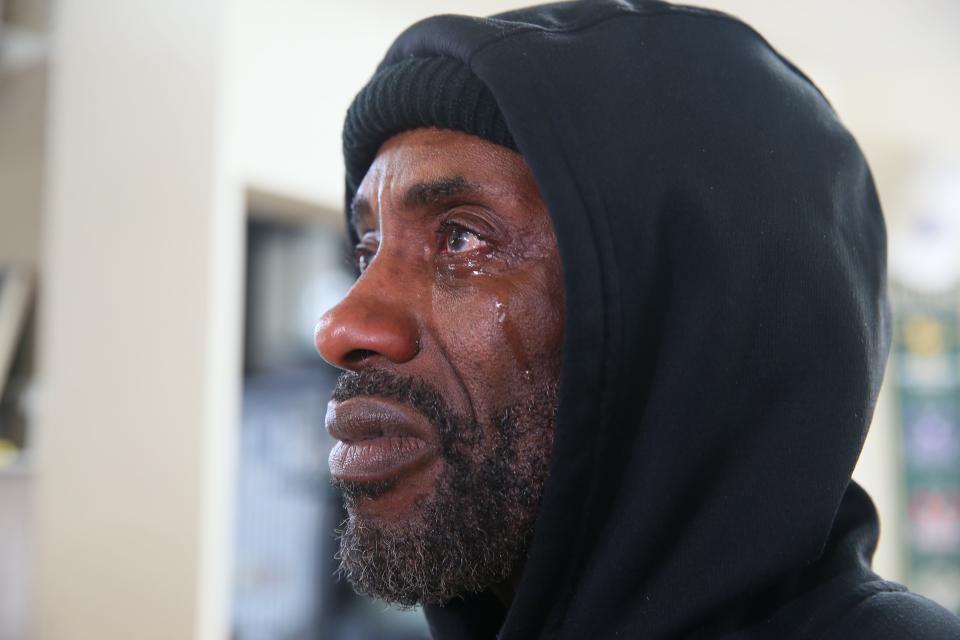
point(512, 337)
point(462, 272)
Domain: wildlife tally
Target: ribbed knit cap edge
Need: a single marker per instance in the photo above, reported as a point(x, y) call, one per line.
point(417, 92)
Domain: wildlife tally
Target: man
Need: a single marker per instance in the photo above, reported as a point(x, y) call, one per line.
point(616, 339)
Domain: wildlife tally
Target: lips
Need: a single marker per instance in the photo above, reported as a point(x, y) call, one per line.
point(378, 439)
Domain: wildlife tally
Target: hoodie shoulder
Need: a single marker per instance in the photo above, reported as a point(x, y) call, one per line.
point(897, 615)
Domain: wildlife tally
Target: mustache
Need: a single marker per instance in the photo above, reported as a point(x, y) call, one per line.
point(413, 392)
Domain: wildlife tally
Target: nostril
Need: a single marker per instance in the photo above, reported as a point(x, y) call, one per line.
point(358, 355)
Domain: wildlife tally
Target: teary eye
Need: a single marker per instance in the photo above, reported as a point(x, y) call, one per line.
point(365, 250)
point(461, 240)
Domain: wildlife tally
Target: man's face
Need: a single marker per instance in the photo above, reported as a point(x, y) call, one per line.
point(451, 341)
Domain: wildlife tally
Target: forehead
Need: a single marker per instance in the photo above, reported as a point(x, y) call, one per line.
point(435, 155)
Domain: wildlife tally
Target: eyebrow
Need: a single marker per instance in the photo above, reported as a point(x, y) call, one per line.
point(419, 195)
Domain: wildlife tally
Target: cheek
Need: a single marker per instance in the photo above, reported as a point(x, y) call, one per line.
point(502, 335)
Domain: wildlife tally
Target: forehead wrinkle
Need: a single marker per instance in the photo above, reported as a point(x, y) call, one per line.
point(389, 177)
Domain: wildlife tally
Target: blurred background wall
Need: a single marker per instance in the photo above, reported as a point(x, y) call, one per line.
point(170, 173)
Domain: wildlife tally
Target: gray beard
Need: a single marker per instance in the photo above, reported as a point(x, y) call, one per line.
point(473, 532)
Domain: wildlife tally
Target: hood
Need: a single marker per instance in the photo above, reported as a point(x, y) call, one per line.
point(726, 325)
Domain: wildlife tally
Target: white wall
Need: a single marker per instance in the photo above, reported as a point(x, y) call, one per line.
point(140, 315)
point(297, 66)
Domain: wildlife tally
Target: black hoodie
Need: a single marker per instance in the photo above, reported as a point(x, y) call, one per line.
point(726, 331)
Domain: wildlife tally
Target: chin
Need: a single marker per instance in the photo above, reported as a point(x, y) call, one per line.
point(390, 499)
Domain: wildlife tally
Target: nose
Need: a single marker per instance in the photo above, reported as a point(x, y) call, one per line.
point(374, 319)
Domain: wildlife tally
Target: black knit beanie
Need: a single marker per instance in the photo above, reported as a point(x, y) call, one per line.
point(417, 92)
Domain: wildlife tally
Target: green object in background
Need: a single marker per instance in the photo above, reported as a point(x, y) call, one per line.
point(927, 365)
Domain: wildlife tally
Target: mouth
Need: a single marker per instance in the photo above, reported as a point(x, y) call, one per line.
point(378, 440)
